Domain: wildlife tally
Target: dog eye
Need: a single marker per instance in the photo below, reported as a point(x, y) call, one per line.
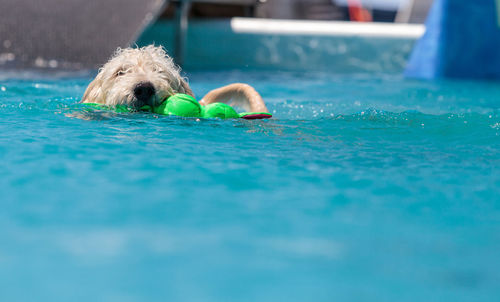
point(120, 73)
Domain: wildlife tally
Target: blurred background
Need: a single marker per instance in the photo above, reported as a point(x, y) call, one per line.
point(340, 10)
point(198, 33)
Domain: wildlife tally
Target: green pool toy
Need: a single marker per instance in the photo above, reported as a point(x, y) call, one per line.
point(179, 105)
point(186, 106)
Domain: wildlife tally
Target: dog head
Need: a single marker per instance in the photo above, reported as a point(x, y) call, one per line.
point(136, 77)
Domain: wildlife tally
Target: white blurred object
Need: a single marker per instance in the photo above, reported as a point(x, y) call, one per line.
point(326, 28)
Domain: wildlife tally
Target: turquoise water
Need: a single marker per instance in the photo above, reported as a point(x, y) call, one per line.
point(362, 188)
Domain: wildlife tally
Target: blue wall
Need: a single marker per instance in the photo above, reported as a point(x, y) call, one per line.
point(462, 40)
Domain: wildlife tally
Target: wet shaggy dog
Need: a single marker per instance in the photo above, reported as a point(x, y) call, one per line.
point(147, 76)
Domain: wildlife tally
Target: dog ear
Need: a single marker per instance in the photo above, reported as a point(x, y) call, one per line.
point(184, 88)
point(92, 92)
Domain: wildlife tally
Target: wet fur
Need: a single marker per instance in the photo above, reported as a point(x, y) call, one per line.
point(116, 80)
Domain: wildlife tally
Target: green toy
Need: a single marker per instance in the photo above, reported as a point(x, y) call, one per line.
point(186, 106)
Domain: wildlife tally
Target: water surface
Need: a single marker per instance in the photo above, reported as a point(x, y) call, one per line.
point(361, 188)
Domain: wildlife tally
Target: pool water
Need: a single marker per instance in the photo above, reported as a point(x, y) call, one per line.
point(361, 188)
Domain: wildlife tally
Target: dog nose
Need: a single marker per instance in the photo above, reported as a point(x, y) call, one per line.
point(143, 92)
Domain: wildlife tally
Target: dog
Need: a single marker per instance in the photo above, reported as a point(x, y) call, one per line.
point(136, 77)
